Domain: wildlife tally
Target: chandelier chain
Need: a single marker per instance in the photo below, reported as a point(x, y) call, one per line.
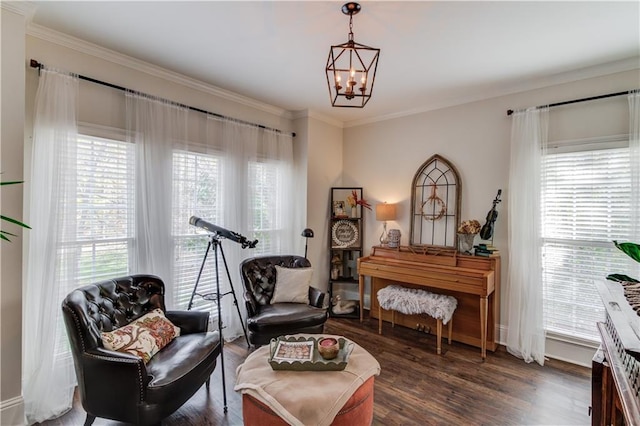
point(351, 27)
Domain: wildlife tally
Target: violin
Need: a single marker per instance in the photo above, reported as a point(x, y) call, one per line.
point(487, 229)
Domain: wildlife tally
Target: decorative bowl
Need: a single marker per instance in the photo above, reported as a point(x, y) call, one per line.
point(328, 347)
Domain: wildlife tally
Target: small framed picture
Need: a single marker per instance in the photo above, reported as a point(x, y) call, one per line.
point(338, 209)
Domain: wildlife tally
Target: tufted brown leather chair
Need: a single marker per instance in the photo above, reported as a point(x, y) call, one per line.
point(266, 321)
point(120, 386)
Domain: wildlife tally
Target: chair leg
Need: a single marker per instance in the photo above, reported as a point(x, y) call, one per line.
point(89, 420)
point(439, 337)
point(450, 329)
point(379, 319)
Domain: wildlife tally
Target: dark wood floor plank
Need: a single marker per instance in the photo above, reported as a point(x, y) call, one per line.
point(416, 386)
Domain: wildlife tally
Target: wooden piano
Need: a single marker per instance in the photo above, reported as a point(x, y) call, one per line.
point(616, 366)
point(473, 280)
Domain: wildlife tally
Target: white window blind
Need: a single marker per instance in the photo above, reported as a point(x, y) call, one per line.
point(196, 192)
point(264, 192)
point(586, 205)
point(98, 216)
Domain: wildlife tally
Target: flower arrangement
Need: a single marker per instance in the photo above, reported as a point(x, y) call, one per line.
point(353, 201)
point(469, 227)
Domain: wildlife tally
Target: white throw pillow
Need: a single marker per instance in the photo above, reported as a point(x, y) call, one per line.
point(292, 285)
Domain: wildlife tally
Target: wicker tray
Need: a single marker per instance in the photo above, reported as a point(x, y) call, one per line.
point(311, 360)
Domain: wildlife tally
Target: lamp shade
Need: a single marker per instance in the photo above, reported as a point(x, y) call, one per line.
point(385, 212)
point(307, 233)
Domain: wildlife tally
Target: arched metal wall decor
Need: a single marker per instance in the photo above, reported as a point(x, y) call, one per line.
point(435, 204)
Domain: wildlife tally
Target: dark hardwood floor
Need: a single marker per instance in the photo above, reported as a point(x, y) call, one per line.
point(418, 387)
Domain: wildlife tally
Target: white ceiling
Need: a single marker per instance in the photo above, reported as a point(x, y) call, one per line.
point(433, 54)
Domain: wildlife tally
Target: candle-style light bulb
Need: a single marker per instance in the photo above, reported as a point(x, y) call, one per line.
point(338, 86)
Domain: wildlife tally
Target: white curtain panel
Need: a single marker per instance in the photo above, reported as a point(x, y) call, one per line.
point(48, 379)
point(248, 151)
point(634, 155)
point(525, 335)
point(154, 125)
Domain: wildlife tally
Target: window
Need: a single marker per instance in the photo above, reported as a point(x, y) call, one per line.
point(586, 205)
point(265, 181)
point(97, 231)
point(196, 192)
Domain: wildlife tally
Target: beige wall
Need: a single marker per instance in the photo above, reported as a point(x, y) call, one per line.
point(11, 166)
point(384, 156)
point(324, 171)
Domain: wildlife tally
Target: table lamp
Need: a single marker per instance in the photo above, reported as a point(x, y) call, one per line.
point(385, 212)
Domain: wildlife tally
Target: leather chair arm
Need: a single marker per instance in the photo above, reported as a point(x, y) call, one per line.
point(316, 297)
point(123, 374)
point(189, 321)
point(250, 302)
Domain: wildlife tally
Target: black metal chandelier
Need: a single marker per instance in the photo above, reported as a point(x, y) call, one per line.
point(351, 68)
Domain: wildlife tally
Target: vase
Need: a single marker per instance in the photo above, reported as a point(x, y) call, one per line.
point(394, 238)
point(335, 273)
point(354, 212)
point(465, 243)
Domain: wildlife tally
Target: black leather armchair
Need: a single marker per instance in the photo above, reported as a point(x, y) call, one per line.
point(120, 386)
point(265, 320)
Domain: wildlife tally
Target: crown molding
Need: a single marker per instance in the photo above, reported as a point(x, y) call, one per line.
point(85, 47)
point(306, 113)
point(628, 64)
point(24, 8)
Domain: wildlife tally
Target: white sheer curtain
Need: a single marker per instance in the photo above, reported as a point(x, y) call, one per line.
point(256, 198)
point(525, 336)
point(154, 125)
point(248, 191)
point(634, 155)
point(48, 377)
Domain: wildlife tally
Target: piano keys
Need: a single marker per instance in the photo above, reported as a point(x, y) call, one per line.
point(474, 281)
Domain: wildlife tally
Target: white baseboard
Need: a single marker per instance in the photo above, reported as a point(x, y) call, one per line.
point(12, 412)
point(574, 352)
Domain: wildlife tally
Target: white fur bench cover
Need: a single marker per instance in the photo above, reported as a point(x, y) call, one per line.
point(412, 301)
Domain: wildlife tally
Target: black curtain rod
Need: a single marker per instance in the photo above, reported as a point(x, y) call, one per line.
point(35, 64)
point(592, 98)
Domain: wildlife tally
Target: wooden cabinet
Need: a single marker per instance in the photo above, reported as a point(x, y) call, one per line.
point(345, 245)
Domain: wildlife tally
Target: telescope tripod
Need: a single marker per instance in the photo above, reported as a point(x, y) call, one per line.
point(214, 241)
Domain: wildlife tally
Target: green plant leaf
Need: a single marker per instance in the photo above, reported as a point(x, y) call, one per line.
point(8, 219)
point(620, 277)
point(3, 235)
point(630, 249)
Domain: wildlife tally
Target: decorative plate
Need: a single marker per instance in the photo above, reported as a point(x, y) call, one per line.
point(344, 233)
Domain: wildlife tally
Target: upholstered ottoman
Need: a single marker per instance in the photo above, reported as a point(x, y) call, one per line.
point(358, 410)
point(322, 398)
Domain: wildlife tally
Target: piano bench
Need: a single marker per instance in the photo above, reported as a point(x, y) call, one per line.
point(410, 301)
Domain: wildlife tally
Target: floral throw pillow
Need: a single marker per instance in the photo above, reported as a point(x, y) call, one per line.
point(143, 337)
